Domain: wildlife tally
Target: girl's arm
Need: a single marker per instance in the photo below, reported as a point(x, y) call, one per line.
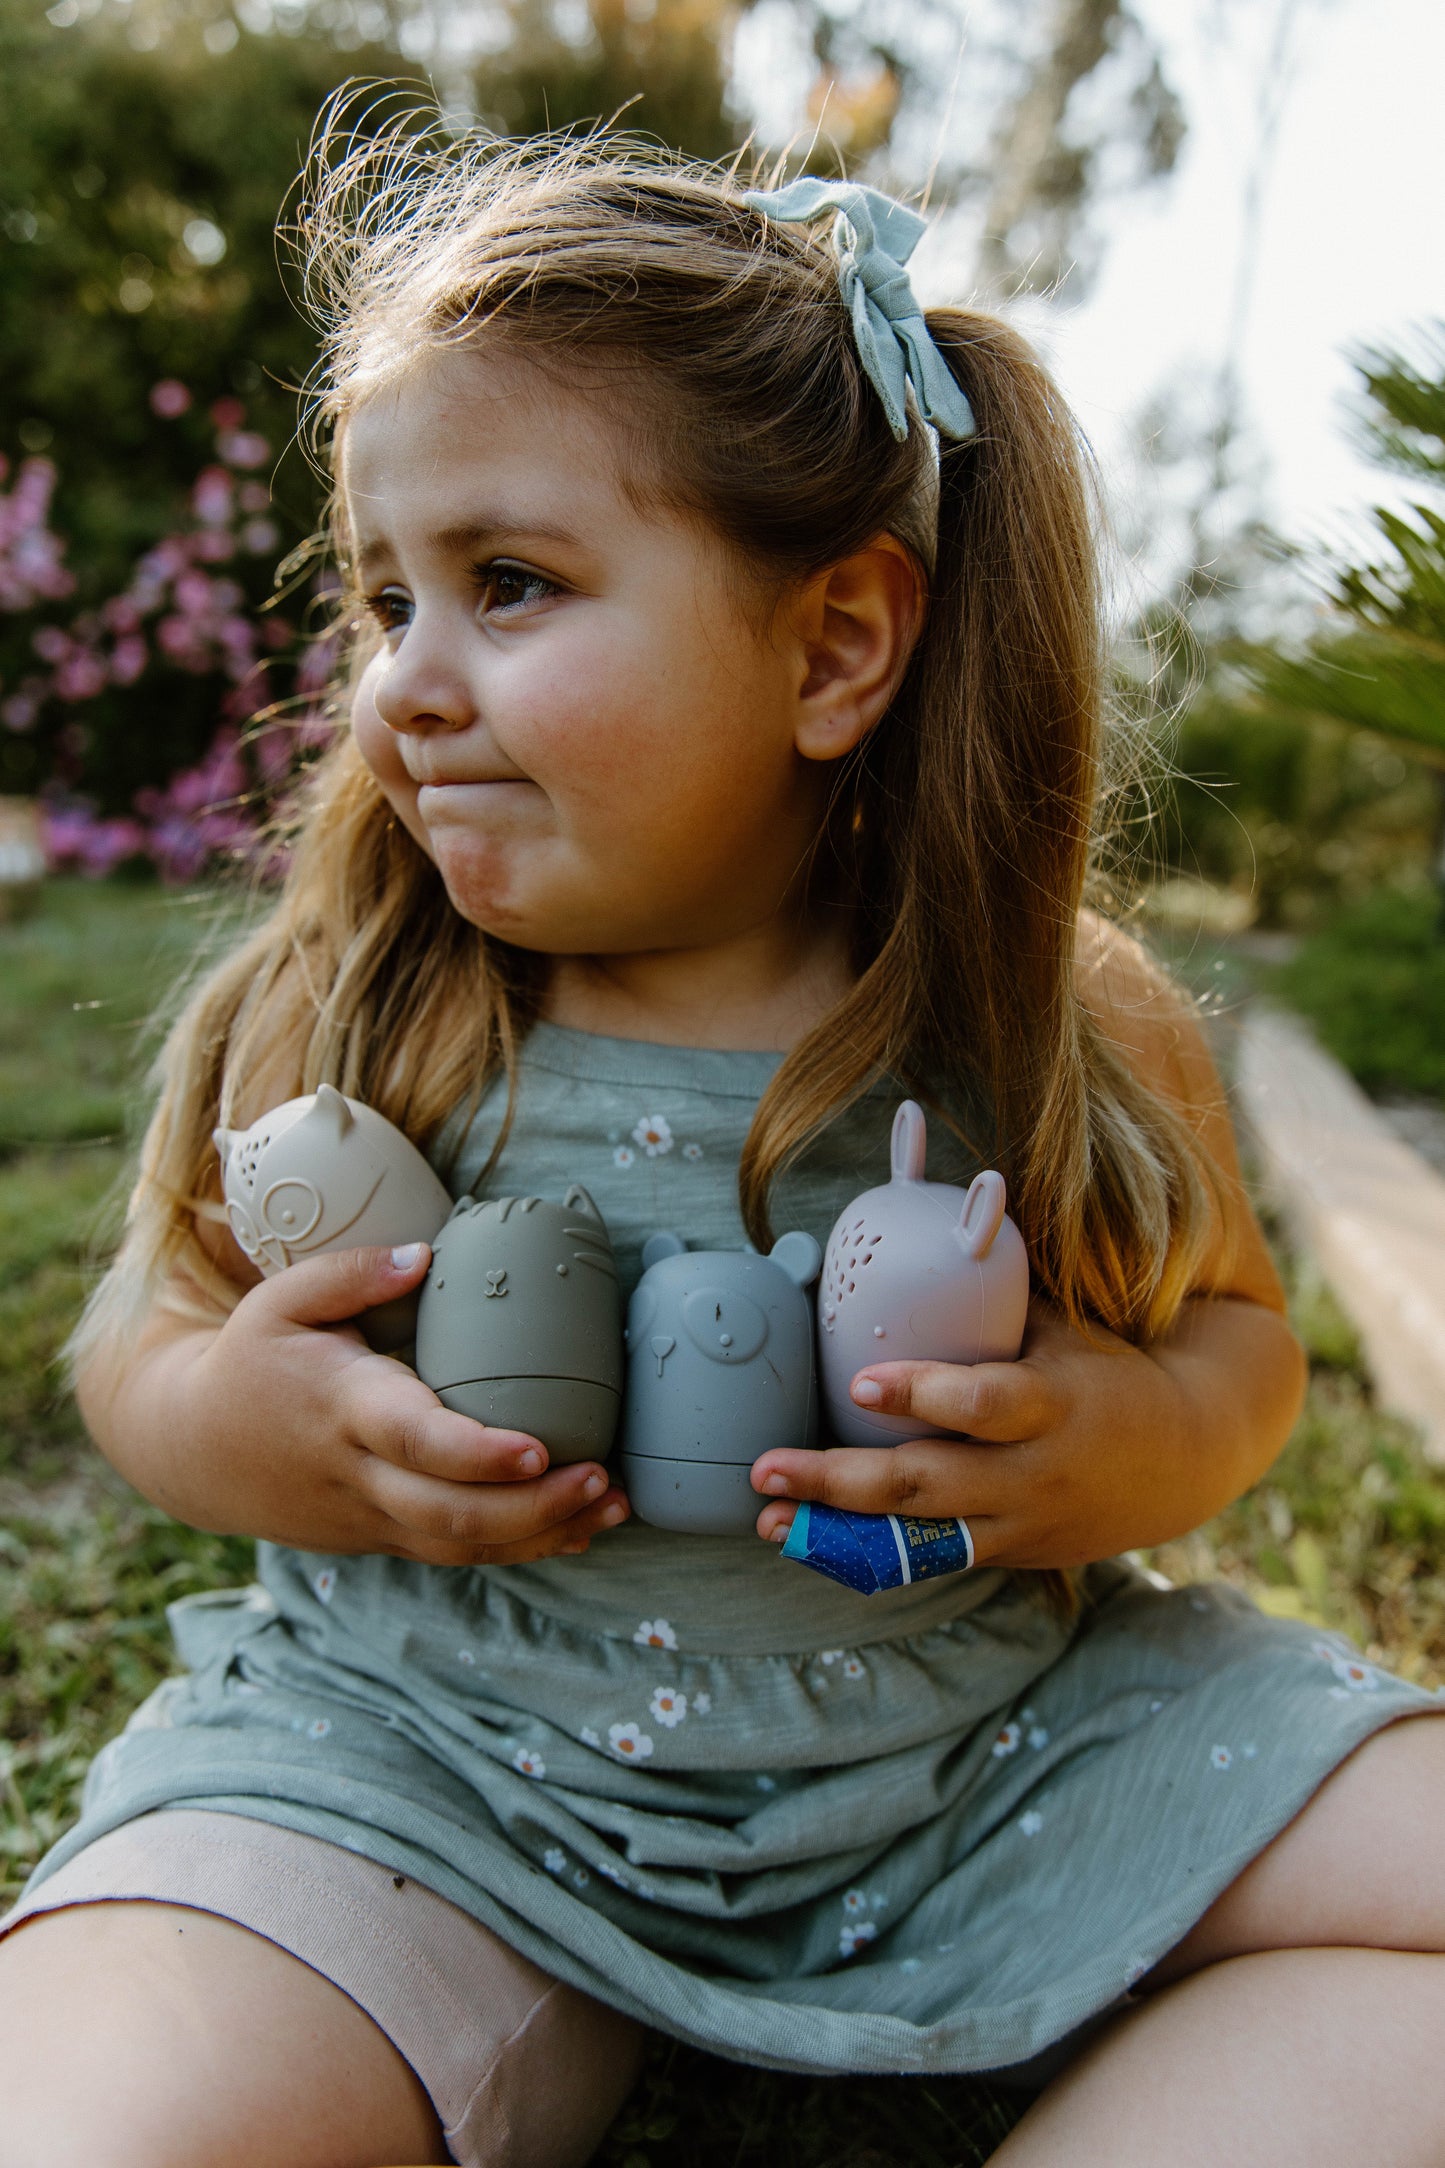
point(1091, 1446)
point(280, 1422)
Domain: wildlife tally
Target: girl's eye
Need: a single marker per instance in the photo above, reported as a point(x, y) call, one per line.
point(510, 587)
point(391, 609)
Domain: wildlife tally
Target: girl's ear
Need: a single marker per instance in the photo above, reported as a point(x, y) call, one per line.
point(857, 624)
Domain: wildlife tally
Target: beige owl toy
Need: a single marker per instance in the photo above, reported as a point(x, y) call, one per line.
point(328, 1173)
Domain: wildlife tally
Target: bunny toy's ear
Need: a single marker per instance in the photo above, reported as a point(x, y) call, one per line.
point(656, 1247)
point(910, 1142)
point(982, 1214)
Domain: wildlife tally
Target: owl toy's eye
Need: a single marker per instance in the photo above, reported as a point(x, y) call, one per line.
point(243, 1230)
point(291, 1209)
point(726, 1327)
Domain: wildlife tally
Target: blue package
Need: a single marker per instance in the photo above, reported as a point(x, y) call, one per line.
point(872, 1551)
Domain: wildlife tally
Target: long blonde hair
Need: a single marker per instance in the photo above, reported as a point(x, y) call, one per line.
point(959, 834)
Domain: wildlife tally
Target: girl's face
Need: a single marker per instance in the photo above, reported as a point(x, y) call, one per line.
point(571, 710)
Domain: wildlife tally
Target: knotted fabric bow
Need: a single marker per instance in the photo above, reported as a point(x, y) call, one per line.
point(873, 238)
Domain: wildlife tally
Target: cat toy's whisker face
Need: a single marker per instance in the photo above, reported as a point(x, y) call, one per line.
point(512, 1333)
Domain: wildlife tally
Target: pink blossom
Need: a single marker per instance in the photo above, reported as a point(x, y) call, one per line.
point(19, 711)
point(128, 659)
point(243, 448)
point(213, 546)
point(254, 497)
point(211, 496)
point(120, 614)
point(81, 676)
point(192, 592)
point(260, 536)
point(51, 644)
point(228, 413)
point(169, 398)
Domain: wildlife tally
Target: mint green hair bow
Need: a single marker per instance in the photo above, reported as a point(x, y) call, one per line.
point(873, 238)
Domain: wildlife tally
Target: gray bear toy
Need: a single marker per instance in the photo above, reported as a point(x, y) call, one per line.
point(720, 1369)
point(520, 1321)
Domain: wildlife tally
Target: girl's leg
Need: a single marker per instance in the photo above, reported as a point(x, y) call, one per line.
point(1298, 2024)
point(152, 2036)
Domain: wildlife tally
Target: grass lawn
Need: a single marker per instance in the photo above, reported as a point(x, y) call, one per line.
point(1348, 1530)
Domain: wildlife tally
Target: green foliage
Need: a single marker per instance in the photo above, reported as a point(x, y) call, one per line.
point(1372, 983)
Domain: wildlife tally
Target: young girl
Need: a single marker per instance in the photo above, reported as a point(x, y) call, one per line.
point(724, 745)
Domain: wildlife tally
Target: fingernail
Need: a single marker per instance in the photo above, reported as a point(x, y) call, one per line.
point(613, 1515)
point(595, 1485)
point(780, 1534)
point(867, 1392)
point(531, 1463)
point(406, 1255)
point(776, 1486)
point(572, 1550)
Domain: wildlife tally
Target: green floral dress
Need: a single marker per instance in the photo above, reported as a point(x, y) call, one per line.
point(935, 1829)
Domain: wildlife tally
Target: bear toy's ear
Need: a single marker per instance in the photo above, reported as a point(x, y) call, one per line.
point(982, 1214)
point(332, 1108)
point(799, 1256)
point(656, 1247)
point(224, 1139)
point(463, 1204)
point(910, 1142)
point(577, 1200)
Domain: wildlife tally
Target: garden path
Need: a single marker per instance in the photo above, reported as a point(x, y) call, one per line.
point(1367, 1206)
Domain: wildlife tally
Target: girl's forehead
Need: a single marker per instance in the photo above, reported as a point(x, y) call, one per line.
point(463, 420)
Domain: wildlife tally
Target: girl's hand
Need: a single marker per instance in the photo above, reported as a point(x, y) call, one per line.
point(283, 1424)
point(1083, 1448)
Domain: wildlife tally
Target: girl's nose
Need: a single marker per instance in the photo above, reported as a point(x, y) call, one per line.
point(420, 689)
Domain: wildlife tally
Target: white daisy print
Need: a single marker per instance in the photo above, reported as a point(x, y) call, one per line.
point(554, 1859)
point(624, 1156)
point(1007, 1741)
point(767, 1784)
point(465, 1656)
point(318, 1727)
point(668, 1707)
point(1220, 1758)
point(878, 1899)
point(853, 1938)
point(1031, 1823)
point(654, 1134)
point(1360, 1678)
point(1038, 1736)
point(588, 1736)
point(629, 1741)
point(1249, 1752)
point(854, 1668)
point(701, 1703)
point(830, 1656)
point(614, 1874)
point(655, 1633)
point(692, 1151)
point(910, 1964)
point(325, 1584)
point(855, 1902)
point(530, 1764)
point(581, 1878)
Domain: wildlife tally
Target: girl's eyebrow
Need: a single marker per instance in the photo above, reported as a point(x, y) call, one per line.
point(468, 536)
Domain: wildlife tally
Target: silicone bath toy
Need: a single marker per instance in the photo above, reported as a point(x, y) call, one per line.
point(520, 1323)
point(720, 1369)
point(916, 1271)
point(327, 1173)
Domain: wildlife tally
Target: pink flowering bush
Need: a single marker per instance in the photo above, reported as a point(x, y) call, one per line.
point(189, 611)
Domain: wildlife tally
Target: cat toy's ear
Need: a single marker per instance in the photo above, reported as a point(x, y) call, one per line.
point(332, 1109)
point(224, 1140)
point(799, 1256)
point(982, 1214)
point(577, 1200)
point(656, 1247)
point(910, 1142)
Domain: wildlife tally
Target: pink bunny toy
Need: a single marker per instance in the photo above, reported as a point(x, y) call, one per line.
point(916, 1271)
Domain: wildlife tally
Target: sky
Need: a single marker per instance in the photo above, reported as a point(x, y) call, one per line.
point(1350, 242)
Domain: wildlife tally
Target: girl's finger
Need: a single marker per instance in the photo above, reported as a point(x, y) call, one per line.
point(469, 1522)
point(931, 1478)
point(341, 1284)
point(1006, 1402)
point(392, 1414)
